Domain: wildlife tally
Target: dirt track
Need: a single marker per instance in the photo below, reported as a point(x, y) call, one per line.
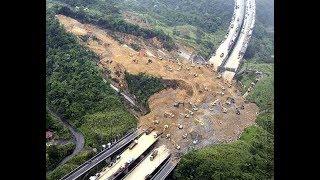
point(197, 87)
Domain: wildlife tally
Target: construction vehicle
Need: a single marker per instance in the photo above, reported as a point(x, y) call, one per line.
point(149, 130)
point(214, 102)
point(176, 104)
point(153, 154)
point(237, 111)
point(184, 136)
point(133, 144)
point(168, 115)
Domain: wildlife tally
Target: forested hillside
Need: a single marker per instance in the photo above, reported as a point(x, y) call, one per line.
point(76, 91)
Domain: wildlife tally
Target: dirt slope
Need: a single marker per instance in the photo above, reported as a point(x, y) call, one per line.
point(198, 88)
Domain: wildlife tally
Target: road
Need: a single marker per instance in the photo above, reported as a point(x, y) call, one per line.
point(165, 171)
point(129, 155)
point(146, 166)
point(77, 138)
point(124, 95)
point(85, 167)
point(224, 49)
point(239, 49)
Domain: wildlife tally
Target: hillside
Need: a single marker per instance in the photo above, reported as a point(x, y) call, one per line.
point(134, 45)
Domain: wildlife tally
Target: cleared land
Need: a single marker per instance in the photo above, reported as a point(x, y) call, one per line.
point(196, 86)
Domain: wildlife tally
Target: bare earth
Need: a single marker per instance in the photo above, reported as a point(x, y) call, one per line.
point(197, 85)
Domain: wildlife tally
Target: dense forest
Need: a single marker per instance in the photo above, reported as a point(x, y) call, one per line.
point(102, 16)
point(76, 91)
point(56, 152)
point(143, 86)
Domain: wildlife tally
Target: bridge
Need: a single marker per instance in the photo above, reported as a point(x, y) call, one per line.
point(103, 155)
point(228, 56)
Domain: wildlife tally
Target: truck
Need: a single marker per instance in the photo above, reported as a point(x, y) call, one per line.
point(153, 154)
point(149, 130)
point(133, 144)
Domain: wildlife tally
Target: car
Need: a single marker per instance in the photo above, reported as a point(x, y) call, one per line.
point(231, 26)
point(222, 54)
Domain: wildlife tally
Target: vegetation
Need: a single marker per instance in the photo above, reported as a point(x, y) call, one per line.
point(108, 125)
point(111, 21)
point(250, 157)
point(135, 46)
point(76, 91)
point(55, 154)
point(72, 164)
point(60, 131)
point(261, 45)
point(143, 86)
point(200, 24)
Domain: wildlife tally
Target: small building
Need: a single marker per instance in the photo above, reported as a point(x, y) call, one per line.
point(49, 135)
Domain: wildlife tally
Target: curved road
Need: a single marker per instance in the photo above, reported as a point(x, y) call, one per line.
point(234, 60)
point(77, 138)
point(224, 49)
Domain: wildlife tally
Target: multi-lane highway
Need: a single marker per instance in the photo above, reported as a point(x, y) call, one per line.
point(148, 165)
point(230, 53)
point(85, 167)
point(239, 49)
point(224, 49)
point(165, 171)
point(129, 155)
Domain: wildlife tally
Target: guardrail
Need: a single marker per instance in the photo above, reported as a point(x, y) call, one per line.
point(98, 155)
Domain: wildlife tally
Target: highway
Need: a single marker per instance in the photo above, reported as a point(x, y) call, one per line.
point(85, 167)
point(146, 166)
point(224, 49)
point(165, 170)
point(240, 47)
point(129, 155)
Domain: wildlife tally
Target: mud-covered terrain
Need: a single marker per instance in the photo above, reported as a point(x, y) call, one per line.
point(201, 109)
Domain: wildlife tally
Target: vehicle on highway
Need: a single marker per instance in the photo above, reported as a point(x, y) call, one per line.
point(154, 154)
point(134, 143)
point(221, 55)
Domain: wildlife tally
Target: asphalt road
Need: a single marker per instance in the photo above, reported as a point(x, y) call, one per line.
point(239, 49)
point(224, 49)
point(101, 156)
point(165, 171)
point(77, 138)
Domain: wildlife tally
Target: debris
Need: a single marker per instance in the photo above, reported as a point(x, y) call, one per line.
point(184, 136)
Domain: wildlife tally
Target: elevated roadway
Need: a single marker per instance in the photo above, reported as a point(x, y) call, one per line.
point(129, 155)
point(147, 166)
point(165, 170)
point(224, 49)
point(240, 47)
point(91, 163)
